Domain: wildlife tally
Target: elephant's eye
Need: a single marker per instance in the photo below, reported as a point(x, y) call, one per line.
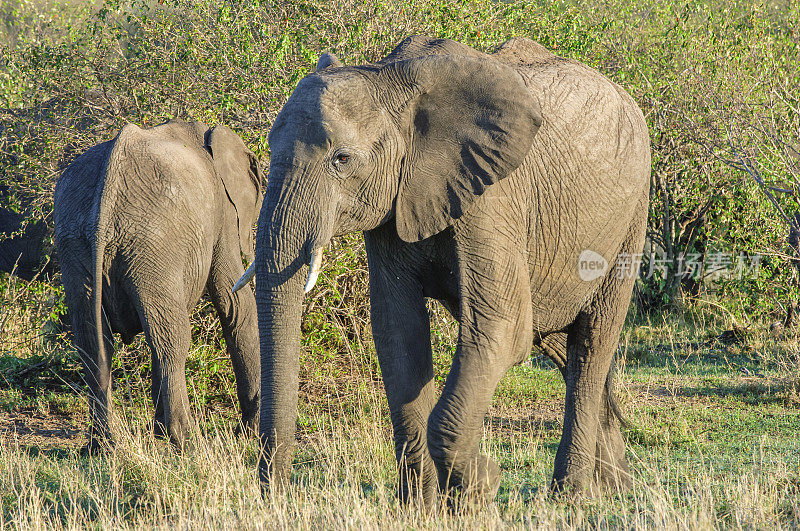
point(342, 158)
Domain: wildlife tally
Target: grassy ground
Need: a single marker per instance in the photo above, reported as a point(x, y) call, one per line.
point(712, 436)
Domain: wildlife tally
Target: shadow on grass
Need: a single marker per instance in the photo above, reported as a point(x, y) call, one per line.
point(49, 452)
point(755, 391)
point(39, 434)
point(532, 423)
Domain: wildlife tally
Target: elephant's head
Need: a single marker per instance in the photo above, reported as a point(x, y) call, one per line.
point(411, 142)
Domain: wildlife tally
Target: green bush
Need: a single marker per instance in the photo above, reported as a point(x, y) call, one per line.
point(72, 74)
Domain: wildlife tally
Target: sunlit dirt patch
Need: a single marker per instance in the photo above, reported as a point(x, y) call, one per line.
point(42, 431)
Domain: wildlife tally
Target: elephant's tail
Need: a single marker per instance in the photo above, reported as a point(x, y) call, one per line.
point(97, 294)
point(99, 251)
point(106, 198)
point(611, 399)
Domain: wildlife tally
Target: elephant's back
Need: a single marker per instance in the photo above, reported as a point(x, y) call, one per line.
point(164, 212)
point(588, 121)
point(522, 53)
point(592, 151)
point(149, 200)
point(587, 173)
point(74, 205)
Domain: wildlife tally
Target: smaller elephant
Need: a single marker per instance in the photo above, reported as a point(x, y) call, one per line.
point(144, 224)
point(23, 254)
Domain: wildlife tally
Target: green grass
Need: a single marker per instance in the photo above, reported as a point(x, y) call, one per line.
point(712, 441)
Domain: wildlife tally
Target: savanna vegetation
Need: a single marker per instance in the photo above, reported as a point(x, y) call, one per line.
point(707, 365)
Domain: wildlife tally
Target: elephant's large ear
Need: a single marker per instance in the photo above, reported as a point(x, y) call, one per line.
point(469, 122)
point(241, 175)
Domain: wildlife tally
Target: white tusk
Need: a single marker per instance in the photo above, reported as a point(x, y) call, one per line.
point(247, 277)
point(314, 267)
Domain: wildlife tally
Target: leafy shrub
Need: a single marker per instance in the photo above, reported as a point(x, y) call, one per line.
point(72, 75)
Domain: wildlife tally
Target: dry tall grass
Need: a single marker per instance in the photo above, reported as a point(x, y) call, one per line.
point(344, 478)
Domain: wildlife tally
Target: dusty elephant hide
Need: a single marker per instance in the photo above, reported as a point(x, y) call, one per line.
point(512, 187)
point(144, 224)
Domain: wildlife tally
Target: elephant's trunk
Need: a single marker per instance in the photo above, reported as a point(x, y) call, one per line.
point(279, 313)
point(291, 234)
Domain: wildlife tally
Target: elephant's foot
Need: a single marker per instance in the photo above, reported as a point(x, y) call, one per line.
point(178, 432)
point(159, 428)
point(576, 480)
point(417, 485)
point(180, 437)
point(98, 443)
point(275, 468)
point(606, 472)
point(246, 427)
point(482, 477)
point(613, 478)
point(99, 436)
point(477, 483)
point(605, 479)
point(574, 489)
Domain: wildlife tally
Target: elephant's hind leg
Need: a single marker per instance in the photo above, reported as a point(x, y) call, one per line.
point(555, 347)
point(611, 468)
point(168, 333)
point(590, 348)
point(592, 452)
point(155, 395)
point(77, 281)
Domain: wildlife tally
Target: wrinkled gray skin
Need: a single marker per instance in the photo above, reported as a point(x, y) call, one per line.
point(478, 180)
point(24, 254)
point(146, 223)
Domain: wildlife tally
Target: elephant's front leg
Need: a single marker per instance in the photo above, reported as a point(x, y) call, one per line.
point(495, 333)
point(237, 313)
point(401, 328)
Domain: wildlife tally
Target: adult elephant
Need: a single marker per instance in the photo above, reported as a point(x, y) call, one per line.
point(504, 185)
point(144, 224)
point(24, 250)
